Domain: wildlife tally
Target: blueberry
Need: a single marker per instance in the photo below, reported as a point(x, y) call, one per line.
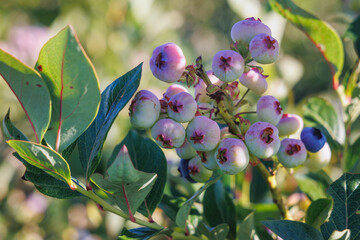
point(313, 139)
point(184, 170)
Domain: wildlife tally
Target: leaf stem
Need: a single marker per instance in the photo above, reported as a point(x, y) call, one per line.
point(106, 206)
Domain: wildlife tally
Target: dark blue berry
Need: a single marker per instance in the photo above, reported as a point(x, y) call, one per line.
point(313, 139)
point(184, 170)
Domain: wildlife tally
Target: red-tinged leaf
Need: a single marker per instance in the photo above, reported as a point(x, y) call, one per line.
point(43, 158)
point(73, 86)
point(30, 90)
point(319, 32)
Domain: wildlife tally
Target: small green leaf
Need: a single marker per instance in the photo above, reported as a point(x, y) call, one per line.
point(184, 211)
point(30, 90)
point(319, 32)
point(343, 235)
point(219, 208)
point(113, 100)
point(293, 230)
point(73, 86)
point(322, 114)
point(10, 131)
point(314, 185)
point(126, 185)
point(216, 233)
point(346, 194)
point(247, 228)
point(352, 157)
point(318, 212)
point(353, 32)
point(139, 233)
point(171, 205)
point(43, 158)
point(148, 157)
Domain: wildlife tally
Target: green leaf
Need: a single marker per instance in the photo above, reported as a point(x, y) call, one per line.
point(126, 185)
point(346, 194)
point(30, 90)
point(350, 80)
point(247, 228)
point(293, 230)
point(353, 33)
point(263, 212)
point(343, 235)
point(146, 156)
point(113, 100)
point(319, 32)
point(323, 115)
point(171, 205)
point(219, 208)
point(352, 157)
point(216, 233)
point(43, 158)
point(314, 185)
point(73, 85)
point(139, 233)
point(10, 131)
point(258, 186)
point(318, 212)
point(184, 211)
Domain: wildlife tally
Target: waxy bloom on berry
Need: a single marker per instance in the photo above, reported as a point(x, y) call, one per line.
point(228, 65)
point(186, 151)
point(254, 80)
point(245, 30)
point(182, 107)
point(168, 62)
point(168, 133)
point(262, 139)
point(313, 139)
point(268, 109)
point(144, 110)
point(197, 171)
point(200, 88)
point(264, 48)
point(289, 124)
point(292, 153)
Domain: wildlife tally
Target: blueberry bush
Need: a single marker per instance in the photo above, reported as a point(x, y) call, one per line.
point(235, 141)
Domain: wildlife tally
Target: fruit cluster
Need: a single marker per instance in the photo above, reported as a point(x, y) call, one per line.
point(190, 124)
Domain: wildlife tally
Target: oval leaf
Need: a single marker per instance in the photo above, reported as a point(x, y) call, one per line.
point(319, 32)
point(318, 212)
point(322, 114)
point(43, 158)
point(346, 194)
point(113, 100)
point(73, 86)
point(293, 230)
point(10, 131)
point(30, 90)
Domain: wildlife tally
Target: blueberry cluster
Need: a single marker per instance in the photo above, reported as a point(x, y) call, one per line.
point(190, 124)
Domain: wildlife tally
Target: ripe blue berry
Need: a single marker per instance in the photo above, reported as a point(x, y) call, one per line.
point(197, 171)
point(262, 139)
point(313, 139)
point(182, 107)
point(245, 30)
point(168, 62)
point(318, 160)
point(264, 48)
point(184, 170)
point(144, 110)
point(228, 65)
point(268, 109)
point(254, 80)
point(168, 133)
point(292, 153)
point(203, 133)
point(232, 155)
point(289, 124)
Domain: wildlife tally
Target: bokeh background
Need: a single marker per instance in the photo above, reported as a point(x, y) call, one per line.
point(118, 35)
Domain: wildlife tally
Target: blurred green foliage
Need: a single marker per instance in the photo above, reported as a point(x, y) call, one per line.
point(118, 35)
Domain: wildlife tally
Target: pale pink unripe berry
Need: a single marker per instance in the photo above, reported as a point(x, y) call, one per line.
point(292, 153)
point(268, 109)
point(168, 62)
point(200, 88)
point(182, 107)
point(186, 151)
point(232, 155)
point(245, 30)
point(262, 139)
point(172, 90)
point(289, 124)
point(197, 171)
point(264, 48)
point(318, 160)
point(203, 133)
point(208, 160)
point(228, 65)
point(144, 110)
point(254, 80)
point(168, 133)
